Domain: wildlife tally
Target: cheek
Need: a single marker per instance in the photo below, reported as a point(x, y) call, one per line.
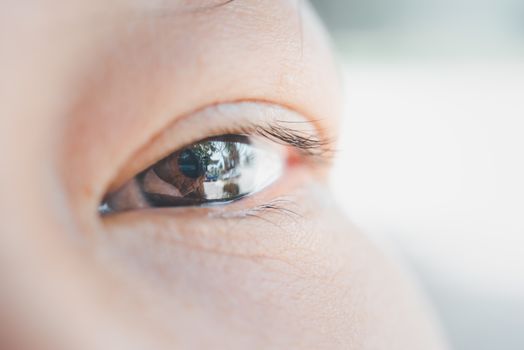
point(280, 281)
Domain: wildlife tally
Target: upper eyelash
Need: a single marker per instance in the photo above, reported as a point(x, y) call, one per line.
point(310, 143)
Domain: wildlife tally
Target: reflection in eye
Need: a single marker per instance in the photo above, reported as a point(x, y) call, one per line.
point(215, 170)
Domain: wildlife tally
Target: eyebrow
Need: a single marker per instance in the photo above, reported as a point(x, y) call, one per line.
point(223, 3)
point(172, 10)
point(212, 6)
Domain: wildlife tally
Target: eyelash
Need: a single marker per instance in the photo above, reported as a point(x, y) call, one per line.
point(280, 206)
point(308, 143)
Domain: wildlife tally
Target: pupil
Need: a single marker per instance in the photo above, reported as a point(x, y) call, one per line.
point(189, 164)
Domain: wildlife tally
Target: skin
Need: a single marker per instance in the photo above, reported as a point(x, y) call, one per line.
point(87, 88)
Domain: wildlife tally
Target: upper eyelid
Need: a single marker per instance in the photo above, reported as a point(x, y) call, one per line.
point(274, 122)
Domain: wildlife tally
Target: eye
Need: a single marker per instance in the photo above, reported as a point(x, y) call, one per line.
point(216, 170)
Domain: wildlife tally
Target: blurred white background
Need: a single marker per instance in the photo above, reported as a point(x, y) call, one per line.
point(431, 155)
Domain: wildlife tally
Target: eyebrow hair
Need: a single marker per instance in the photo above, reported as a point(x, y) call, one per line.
point(169, 12)
point(212, 6)
point(223, 3)
point(194, 9)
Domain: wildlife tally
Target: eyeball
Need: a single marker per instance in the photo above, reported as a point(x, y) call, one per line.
point(216, 170)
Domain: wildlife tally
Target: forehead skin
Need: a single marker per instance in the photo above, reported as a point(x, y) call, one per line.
point(86, 83)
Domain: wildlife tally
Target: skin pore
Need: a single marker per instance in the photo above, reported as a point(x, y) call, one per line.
point(94, 92)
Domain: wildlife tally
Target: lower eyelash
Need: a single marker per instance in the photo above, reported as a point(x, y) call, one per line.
point(281, 206)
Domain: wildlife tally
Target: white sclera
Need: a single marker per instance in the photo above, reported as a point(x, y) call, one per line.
point(237, 169)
